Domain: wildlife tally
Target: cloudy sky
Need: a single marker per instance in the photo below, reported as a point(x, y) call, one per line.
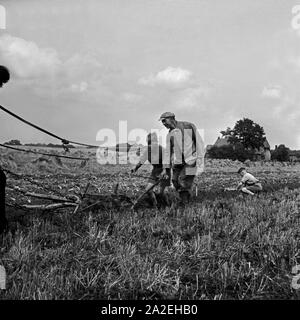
point(79, 66)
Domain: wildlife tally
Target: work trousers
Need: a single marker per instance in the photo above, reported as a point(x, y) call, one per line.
point(182, 179)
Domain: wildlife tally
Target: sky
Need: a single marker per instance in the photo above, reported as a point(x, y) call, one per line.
point(81, 66)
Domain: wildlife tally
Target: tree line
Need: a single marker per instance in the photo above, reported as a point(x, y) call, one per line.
point(245, 140)
point(16, 142)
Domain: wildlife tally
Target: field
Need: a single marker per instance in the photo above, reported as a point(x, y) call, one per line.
point(221, 246)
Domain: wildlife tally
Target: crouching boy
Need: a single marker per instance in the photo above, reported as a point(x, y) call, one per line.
point(249, 184)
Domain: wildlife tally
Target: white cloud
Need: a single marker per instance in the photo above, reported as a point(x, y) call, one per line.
point(25, 59)
point(285, 108)
point(80, 87)
point(43, 70)
point(83, 66)
point(168, 76)
point(274, 92)
point(192, 98)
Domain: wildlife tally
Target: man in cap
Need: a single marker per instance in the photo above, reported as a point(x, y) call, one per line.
point(184, 150)
point(4, 77)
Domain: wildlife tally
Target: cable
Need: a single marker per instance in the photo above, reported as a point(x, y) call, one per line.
point(64, 141)
point(42, 153)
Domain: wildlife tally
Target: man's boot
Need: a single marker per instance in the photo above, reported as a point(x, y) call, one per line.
point(184, 198)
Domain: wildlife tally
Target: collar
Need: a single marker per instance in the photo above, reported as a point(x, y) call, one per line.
point(176, 125)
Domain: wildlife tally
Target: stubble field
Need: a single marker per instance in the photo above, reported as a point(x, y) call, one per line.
point(221, 246)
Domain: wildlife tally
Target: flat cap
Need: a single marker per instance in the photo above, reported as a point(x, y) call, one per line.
point(166, 115)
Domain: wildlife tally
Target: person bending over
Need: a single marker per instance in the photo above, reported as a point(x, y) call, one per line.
point(154, 154)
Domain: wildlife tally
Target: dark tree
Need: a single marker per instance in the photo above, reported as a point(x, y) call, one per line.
point(223, 152)
point(281, 153)
point(246, 132)
point(14, 142)
point(233, 152)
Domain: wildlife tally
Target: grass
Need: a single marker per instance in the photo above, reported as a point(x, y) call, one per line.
point(221, 246)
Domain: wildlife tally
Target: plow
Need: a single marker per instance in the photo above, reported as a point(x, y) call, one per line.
point(81, 202)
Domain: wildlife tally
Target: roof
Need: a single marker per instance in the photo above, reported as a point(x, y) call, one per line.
point(220, 142)
point(266, 144)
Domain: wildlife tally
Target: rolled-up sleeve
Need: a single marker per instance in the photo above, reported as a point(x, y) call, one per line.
point(200, 150)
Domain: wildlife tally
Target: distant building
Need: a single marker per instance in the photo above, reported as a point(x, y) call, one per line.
point(294, 156)
point(263, 153)
point(221, 142)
